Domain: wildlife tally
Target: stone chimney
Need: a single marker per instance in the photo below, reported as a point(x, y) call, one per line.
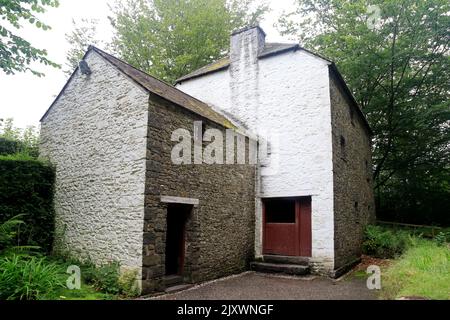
point(247, 43)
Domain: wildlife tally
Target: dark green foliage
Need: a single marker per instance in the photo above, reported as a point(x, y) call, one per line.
point(423, 198)
point(442, 238)
point(169, 39)
point(17, 141)
point(104, 278)
point(24, 277)
point(8, 232)
point(386, 243)
point(8, 146)
point(26, 188)
point(107, 278)
point(397, 63)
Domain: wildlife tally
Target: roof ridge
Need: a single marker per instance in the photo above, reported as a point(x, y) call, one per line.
point(199, 72)
point(283, 47)
point(155, 86)
point(191, 103)
point(124, 62)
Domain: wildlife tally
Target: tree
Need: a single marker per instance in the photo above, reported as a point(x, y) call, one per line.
point(395, 56)
point(14, 140)
point(84, 33)
point(16, 53)
point(169, 39)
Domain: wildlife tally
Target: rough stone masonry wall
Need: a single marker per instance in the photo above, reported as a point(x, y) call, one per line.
point(352, 175)
point(220, 231)
point(95, 135)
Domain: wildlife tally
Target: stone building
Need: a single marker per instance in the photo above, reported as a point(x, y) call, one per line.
point(120, 195)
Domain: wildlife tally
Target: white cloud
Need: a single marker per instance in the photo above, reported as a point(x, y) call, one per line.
point(25, 97)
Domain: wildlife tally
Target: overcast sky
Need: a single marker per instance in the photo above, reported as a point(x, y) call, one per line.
point(25, 97)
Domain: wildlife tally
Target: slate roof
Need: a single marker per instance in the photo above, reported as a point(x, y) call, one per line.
point(271, 49)
point(218, 65)
point(158, 87)
point(222, 64)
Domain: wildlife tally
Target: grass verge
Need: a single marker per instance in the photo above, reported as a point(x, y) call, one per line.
point(422, 271)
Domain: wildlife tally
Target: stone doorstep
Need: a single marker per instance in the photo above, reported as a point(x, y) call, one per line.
point(173, 280)
point(291, 269)
point(175, 283)
point(177, 288)
point(304, 261)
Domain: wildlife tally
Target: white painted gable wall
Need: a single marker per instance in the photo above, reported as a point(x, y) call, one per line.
point(287, 93)
point(95, 136)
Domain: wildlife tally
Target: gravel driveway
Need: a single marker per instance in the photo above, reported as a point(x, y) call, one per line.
point(257, 286)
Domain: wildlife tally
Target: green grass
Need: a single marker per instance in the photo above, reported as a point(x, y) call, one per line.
point(25, 277)
point(86, 292)
point(97, 282)
point(423, 270)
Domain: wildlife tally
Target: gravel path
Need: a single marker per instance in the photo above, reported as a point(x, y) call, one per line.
point(257, 286)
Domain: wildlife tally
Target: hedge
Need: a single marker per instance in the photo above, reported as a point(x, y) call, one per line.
point(9, 146)
point(26, 187)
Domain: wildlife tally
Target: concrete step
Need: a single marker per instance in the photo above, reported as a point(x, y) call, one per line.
point(304, 261)
point(291, 269)
point(173, 280)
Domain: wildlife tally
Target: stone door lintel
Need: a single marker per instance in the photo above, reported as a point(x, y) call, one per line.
point(180, 200)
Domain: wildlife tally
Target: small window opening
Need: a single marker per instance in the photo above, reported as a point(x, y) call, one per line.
point(280, 210)
point(352, 116)
point(343, 151)
point(343, 142)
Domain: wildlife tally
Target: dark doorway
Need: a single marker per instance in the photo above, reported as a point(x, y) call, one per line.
point(177, 215)
point(287, 226)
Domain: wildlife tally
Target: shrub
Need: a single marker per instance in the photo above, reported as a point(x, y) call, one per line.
point(27, 278)
point(385, 243)
point(8, 232)
point(8, 146)
point(26, 187)
point(15, 140)
point(109, 279)
point(127, 284)
point(441, 238)
point(104, 278)
point(8, 237)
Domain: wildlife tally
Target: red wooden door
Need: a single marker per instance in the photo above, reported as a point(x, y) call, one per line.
point(305, 228)
point(287, 227)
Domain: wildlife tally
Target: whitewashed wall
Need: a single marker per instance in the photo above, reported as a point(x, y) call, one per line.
point(288, 94)
point(95, 135)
